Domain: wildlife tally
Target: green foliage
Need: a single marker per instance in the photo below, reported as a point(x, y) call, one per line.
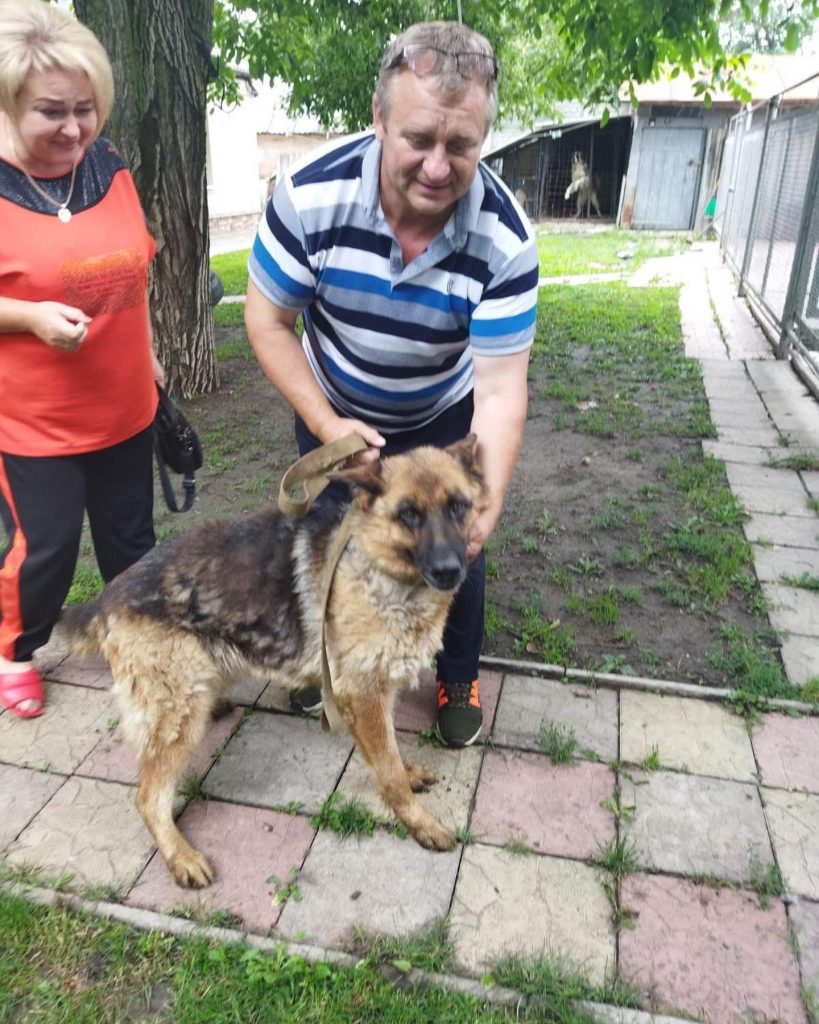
point(557, 742)
point(86, 585)
point(749, 664)
point(232, 270)
point(69, 968)
point(346, 818)
point(328, 51)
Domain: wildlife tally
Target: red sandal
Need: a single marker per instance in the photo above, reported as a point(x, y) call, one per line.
point(16, 687)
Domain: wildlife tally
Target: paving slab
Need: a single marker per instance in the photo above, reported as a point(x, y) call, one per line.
point(785, 480)
point(771, 500)
point(800, 656)
point(787, 752)
point(792, 609)
point(800, 530)
point(449, 799)
point(276, 760)
point(248, 690)
point(89, 829)
point(380, 884)
point(528, 702)
point(525, 905)
point(793, 819)
point(774, 564)
point(23, 793)
point(690, 825)
point(810, 478)
point(115, 760)
point(709, 953)
point(758, 437)
point(246, 846)
point(805, 920)
point(51, 654)
point(417, 709)
point(694, 735)
point(74, 720)
point(554, 809)
point(92, 672)
point(749, 455)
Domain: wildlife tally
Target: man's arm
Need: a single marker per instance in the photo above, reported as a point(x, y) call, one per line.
point(498, 420)
point(272, 336)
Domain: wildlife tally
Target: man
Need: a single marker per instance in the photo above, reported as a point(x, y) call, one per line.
point(416, 273)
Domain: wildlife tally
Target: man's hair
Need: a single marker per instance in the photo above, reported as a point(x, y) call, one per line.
point(35, 36)
point(449, 38)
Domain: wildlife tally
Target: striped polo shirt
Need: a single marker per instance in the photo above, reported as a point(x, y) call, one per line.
point(390, 344)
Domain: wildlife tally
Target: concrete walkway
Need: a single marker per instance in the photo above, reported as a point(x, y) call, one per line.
point(709, 809)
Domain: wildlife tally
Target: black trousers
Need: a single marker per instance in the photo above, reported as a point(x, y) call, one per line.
point(463, 636)
point(42, 502)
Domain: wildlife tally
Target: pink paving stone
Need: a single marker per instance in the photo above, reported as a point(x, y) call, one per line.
point(83, 672)
point(787, 752)
point(554, 809)
point(417, 709)
point(114, 760)
point(246, 846)
point(708, 952)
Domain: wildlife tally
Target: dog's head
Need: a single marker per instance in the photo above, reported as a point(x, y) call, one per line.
point(418, 511)
point(577, 158)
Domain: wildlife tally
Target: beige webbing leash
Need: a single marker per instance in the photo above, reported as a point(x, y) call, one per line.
point(301, 485)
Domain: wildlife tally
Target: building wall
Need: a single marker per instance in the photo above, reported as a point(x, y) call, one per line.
point(234, 194)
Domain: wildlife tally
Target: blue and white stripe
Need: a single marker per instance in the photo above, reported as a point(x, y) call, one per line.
point(389, 344)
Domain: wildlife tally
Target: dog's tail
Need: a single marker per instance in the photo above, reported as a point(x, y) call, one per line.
point(576, 186)
point(79, 625)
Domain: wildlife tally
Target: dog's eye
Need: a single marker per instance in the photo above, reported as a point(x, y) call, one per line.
point(410, 516)
point(458, 507)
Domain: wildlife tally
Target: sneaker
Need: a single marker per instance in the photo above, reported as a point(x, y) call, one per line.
point(306, 700)
point(459, 713)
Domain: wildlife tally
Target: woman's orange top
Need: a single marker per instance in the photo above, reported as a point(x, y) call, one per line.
point(61, 403)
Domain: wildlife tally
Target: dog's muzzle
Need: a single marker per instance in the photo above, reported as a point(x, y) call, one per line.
point(447, 572)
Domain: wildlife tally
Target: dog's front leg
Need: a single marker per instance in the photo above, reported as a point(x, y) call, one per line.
point(371, 726)
point(159, 771)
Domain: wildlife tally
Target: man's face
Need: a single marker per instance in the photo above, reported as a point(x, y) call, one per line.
point(431, 144)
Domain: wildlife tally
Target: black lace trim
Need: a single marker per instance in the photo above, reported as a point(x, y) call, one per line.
point(94, 176)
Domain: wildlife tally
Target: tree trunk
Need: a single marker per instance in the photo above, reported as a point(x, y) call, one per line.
point(160, 53)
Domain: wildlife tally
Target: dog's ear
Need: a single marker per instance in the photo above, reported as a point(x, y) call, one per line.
point(464, 451)
point(366, 482)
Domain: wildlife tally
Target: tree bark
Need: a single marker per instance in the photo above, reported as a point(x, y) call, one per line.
point(160, 54)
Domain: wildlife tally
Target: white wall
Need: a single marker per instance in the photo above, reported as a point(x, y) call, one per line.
point(233, 162)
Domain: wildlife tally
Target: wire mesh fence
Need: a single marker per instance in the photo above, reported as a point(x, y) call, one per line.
point(768, 215)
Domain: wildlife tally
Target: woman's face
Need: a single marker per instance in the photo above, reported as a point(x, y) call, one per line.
point(55, 121)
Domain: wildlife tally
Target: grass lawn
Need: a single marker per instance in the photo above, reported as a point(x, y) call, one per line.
point(584, 252)
point(60, 967)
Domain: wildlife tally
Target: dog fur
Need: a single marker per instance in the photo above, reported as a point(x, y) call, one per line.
point(230, 597)
point(582, 185)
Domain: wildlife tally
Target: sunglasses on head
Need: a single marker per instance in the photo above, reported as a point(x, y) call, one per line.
point(427, 60)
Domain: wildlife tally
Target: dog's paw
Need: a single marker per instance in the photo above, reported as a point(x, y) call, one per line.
point(433, 835)
point(192, 870)
point(420, 777)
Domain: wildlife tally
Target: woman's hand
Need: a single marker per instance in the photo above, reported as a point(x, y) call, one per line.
point(59, 326)
point(158, 372)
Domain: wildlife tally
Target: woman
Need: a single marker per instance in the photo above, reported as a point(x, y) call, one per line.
point(77, 369)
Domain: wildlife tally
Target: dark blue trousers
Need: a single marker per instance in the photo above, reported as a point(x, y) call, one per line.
point(463, 636)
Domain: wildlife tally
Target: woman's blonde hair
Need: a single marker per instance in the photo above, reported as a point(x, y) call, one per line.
point(36, 36)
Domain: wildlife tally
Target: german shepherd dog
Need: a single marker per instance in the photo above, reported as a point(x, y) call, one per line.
point(230, 597)
point(582, 185)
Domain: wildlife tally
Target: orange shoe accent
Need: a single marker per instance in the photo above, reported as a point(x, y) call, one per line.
point(474, 696)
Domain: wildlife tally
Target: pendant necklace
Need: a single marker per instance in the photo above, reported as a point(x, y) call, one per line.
point(63, 213)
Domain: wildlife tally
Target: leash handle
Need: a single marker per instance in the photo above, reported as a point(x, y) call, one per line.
point(306, 479)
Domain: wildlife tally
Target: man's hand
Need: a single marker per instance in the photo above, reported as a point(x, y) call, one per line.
point(59, 326)
point(335, 427)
